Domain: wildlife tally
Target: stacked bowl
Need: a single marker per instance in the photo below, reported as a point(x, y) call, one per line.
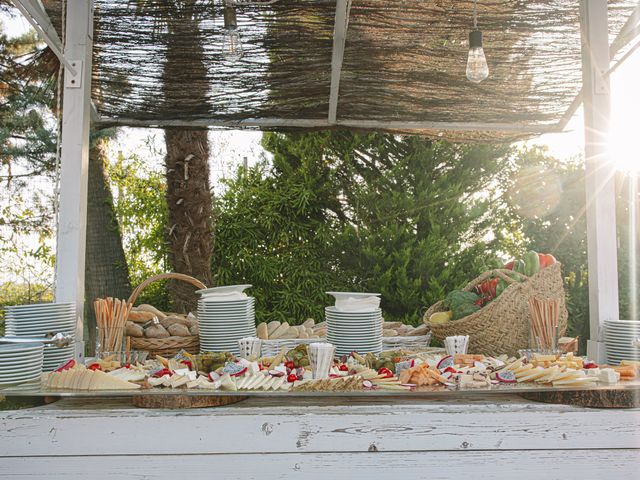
point(40, 320)
point(225, 315)
point(355, 323)
point(620, 338)
point(20, 362)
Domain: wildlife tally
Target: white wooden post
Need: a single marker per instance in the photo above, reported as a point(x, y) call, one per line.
point(76, 114)
point(600, 175)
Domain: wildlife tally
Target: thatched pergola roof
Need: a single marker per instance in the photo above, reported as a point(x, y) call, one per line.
point(403, 66)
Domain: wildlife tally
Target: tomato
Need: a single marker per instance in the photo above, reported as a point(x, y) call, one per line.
point(343, 368)
point(187, 363)
point(94, 366)
point(290, 365)
point(292, 377)
point(162, 373)
point(385, 372)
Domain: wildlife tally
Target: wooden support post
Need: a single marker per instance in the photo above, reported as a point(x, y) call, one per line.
point(599, 175)
point(76, 114)
point(339, 39)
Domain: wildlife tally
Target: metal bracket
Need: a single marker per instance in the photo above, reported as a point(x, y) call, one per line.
point(601, 82)
point(71, 79)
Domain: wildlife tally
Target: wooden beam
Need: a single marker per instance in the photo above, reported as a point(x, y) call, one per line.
point(76, 113)
point(39, 20)
point(629, 31)
point(321, 123)
point(339, 38)
point(602, 244)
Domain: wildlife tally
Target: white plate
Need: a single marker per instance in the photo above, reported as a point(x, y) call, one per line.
point(19, 347)
point(209, 303)
point(340, 295)
point(20, 359)
point(223, 318)
point(225, 290)
point(333, 312)
point(39, 306)
point(21, 375)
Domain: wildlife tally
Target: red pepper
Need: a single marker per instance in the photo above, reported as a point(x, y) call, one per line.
point(162, 373)
point(187, 363)
point(343, 368)
point(386, 372)
point(127, 365)
point(291, 378)
point(67, 366)
point(94, 366)
point(546, 259)
point(488, 288)
point(590, 365)
point(450, 370)
point(509, 265)
point(289, 364)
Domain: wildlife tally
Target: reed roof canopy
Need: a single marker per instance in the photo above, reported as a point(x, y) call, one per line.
point(385, 65)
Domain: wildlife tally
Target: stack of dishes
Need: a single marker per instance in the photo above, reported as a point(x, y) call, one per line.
point(619, 337)
point(355, 325)
point(225, 315)
point(20, 362)
point(40, 320)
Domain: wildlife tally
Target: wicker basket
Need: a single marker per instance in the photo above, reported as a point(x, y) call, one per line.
point(418, 342)
point(503, 325)
point(169, 346)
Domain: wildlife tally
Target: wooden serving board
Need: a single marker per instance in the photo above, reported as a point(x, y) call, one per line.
point(183, 401)
point(589, 398)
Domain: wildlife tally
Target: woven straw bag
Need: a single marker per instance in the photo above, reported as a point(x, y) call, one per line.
point(502, 326)
point(166, 347)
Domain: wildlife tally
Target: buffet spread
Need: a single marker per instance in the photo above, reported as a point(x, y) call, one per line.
point(511, 319)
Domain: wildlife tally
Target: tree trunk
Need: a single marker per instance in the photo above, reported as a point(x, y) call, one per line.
point(189, 202)
point(106, 272)
point(189, 198)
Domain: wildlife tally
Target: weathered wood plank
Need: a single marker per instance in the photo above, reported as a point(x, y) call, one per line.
point(523, 465)
point(249, 427)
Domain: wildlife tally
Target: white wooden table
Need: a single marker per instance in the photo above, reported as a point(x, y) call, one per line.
point(472, 438)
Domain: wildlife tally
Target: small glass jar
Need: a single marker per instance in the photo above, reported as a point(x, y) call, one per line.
point(110, 339)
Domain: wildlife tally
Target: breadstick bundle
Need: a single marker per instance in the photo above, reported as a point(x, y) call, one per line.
point(545, 314)
point(111, 316)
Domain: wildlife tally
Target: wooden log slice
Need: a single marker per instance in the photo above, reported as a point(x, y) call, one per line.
point(183, 401)
point(589, 398)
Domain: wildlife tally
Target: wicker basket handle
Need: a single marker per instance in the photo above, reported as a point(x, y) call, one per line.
point(175, 276)
point(498, 272)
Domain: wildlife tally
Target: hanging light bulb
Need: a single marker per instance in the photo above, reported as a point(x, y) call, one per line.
point(231, 42)
point(477, 68)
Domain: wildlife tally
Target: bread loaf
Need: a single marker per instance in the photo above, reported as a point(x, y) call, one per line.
point(272, 326)
point(193, 330)
point(150, 308)
point(262, 331)
point(140, 316)
point(278, 332)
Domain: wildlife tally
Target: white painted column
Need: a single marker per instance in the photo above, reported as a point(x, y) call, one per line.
point(600, 175)
point(76, 114)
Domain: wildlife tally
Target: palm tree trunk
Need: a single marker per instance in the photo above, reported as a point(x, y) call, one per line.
point(189, 202)
point(189, 197)
point(106, 272)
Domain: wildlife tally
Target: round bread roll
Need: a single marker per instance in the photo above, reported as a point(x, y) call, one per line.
point(134, 330)
point(193, 330)
point(179, 330)
point(272, 326)
point(150, 308)
point(156, 331)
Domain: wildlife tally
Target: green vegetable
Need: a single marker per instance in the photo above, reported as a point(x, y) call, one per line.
point(502, 285)
point(519, 266)
point(462, 303)
point(531, 263)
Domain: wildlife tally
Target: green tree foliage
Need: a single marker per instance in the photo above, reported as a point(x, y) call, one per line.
point(395, 215)
point(141, 209)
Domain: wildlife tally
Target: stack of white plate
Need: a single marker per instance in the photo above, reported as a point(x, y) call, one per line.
point(619, 337)
point(225, 315)
point(20, 362)
point(39, 320)
point(354, 331)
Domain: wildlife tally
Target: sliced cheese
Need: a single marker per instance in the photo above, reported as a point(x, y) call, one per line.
point(531, 375)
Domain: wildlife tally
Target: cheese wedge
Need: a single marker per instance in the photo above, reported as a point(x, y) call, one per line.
point(531, 375)
point(549, 373)
point(575, 381)
point(278, 383)
point(523, 368)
